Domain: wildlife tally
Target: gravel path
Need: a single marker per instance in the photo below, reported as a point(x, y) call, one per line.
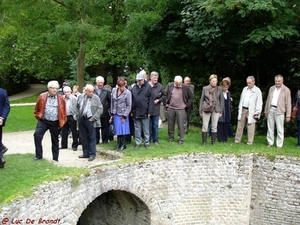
point(23, 142)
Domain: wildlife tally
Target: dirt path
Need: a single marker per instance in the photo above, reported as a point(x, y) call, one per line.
point(23, 142)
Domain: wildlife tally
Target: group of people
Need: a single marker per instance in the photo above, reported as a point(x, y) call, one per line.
point(215, 104)
point(135, 110)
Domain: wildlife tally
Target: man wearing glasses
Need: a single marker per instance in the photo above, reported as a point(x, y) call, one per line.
point(50, 111)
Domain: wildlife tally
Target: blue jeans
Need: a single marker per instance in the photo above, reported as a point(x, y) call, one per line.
point(141, 126)
point(153, 128)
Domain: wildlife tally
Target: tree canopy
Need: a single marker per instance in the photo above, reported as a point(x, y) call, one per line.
point(78, 40)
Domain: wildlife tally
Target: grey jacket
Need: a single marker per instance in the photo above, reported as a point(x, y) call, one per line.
point(96, 108)
point(217, 96)
point(121, 105)
point(73, 107)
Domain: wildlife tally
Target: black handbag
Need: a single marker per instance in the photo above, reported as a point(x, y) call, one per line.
point(111, 130)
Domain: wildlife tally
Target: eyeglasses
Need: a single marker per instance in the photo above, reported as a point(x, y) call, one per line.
point(53, 87)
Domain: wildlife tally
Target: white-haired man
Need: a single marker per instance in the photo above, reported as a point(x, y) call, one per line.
point(71, 124)
point(50, 111)
point(90, 109)
point(105, 97)
point(179, 97)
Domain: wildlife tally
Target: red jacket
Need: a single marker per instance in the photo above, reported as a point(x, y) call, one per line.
point(40, 106)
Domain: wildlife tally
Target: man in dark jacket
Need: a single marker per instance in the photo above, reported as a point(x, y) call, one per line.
point(158, 96)
point(4, 111)
point(105, 97)
point(179, 97)
point(142, 108)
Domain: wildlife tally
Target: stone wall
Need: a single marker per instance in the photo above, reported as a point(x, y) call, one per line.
point(276, 191)
point(186, 189)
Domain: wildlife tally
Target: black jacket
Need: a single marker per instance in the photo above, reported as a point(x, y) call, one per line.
point(158, 92)
point(142, 105)
point(105, 98)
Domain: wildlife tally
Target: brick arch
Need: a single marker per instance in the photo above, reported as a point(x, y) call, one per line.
point(116, 207)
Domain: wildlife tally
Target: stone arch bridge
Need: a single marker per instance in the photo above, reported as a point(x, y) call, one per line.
point(187, 189)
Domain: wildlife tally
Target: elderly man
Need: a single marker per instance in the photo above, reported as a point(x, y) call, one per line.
point(4, 111)
point(187, 81)
point(105, 98)
point(142, 108)
point(250, 107)
point(158, 96)
point(179, 97)
point(278, 107)
point(50, 111)
point(90, 110)
point(71, 124)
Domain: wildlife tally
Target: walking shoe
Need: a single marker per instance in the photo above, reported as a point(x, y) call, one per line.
point(137, 146)
point(2, 162)
point(91, 159)
point(4, 149)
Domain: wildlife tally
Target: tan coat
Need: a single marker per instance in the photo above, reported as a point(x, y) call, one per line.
point(284, 104)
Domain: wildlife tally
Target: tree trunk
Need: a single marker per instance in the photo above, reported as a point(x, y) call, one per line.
point(80, 66)
point(100, 69)
point(115, 74)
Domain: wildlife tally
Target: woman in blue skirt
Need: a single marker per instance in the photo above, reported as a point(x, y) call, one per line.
point(120, 108)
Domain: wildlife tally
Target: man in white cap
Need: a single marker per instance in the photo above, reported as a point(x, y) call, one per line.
point(142, 108)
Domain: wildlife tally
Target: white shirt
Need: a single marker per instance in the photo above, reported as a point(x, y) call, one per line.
point(275, 96)
point(246, 100)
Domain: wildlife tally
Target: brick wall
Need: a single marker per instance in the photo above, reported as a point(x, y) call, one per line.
point(186, 189)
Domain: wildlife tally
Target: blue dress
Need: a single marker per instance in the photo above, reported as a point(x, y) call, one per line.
point(121, 128)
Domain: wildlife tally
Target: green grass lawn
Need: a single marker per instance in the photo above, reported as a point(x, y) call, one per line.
point(21, 174)
point(193, 144)
point(30, 99)
point(20, 118)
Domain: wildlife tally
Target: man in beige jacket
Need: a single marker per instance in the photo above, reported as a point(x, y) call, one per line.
point(250, 108)
point(278, 107)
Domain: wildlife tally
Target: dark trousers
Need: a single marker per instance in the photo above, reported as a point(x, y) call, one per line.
point(153, 128)
point(187, 120)
point(72, 125)
point(173, 116)
point(104, 130)
point(41, 128)
point(88, 137)
point(1, 145)
point(298, 136)
point(222, 131)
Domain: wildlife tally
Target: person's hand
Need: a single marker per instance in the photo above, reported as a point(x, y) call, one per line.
point(288, 119)
point(200, 114)
point(266, 115)
point(156, 101)
point(220, 114)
